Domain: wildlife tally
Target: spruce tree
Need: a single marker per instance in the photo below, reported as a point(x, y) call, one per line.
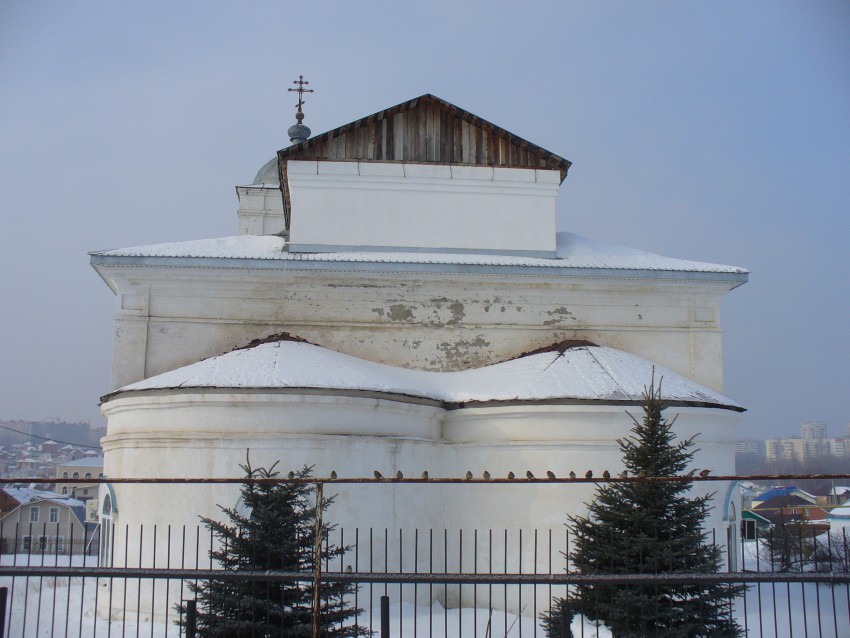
point(648, 527)
point(275, 529)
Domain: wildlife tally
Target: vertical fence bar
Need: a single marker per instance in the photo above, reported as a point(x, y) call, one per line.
point(40, 578)
point(534, 587)
point(415, 585)
point(139, 582)
point(70, 580)
point(357, 569)
point(100, 549)
point(191, 619)
point(401, 585)
point(385, 616)
point(519, 587)
point(505, 587)
point(153, 581)
point(460, 585)
point(167, 580)
point(475, 585)
point(371, 585)
point(4, 596)
point(445, 585)
point(317, 560)
point(490, 586)
point(430, 584)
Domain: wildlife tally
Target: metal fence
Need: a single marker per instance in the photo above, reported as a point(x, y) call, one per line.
point(410, 583)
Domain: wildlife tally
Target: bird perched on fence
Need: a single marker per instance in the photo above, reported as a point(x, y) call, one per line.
point(572, 476)
point(378, 475)
point(550, 474)
point(399, 475)
point(333, 474)
point(291, 475)
point(468, 475)
point(704, 473)
point(529, 475)
point(624, 474)
point(511, 476)
point(588, 474)
point(486, 475)
point(425, 475)
point(606, 474)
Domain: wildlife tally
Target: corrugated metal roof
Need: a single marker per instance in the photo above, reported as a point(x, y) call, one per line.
point(573, 252)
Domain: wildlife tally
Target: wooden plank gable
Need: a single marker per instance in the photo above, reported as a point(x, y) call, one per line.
point(425, 129)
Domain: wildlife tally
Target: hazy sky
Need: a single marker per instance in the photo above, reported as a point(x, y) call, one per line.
point(714, 131)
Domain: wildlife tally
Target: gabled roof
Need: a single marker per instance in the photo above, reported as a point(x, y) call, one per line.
point(751, 515)
point(785, 492)
point(24, 495)
point(840, 512)
point(579, 372)
point(785, 507)
point(426, 129)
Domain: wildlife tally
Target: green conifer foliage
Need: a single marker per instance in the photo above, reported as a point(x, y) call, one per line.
point(648, 527)
point(277, 531)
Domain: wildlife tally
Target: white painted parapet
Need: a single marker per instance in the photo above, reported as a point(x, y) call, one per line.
point(379, 206)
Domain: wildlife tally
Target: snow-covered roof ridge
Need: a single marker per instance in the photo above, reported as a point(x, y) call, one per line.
point(573, 251)
point(839, 512)
point(579, 373)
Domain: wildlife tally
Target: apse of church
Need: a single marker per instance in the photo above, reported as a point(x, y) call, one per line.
point(397, 298)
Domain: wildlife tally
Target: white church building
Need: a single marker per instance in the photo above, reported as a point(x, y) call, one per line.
point(397, 299)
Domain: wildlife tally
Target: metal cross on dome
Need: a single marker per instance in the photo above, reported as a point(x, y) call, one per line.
point(301, 82)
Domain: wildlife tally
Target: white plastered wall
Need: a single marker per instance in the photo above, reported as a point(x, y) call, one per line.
point(393, 205)
point(208, 434)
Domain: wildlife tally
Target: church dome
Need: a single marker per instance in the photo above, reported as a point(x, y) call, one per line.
point(268, 173)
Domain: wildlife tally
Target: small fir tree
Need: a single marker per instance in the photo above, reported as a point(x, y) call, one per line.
point(277, 531)
point(648, 527)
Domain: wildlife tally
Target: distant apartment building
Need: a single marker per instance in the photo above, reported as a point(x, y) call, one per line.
point(811, 444)
point(749, 446)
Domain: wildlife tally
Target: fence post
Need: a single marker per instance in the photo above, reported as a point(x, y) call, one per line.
point(4, 596)
point(191, 619)
point(385, 617)
point(566, 620)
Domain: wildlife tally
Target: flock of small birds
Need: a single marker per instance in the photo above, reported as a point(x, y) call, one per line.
point(550, 475)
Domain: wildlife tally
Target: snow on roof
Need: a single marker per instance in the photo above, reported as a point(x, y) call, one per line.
point(573, 251)
point(839, 512)
point(789, 492)
point(585, 373)
point(26, 495)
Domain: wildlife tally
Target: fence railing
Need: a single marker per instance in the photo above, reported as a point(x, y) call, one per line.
point(413, 583)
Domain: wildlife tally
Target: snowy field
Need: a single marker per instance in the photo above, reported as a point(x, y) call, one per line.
point(66, 607)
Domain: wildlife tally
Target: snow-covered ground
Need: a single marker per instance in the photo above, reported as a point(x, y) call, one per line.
point(66, 607)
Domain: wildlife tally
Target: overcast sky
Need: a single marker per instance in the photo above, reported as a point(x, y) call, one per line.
point(713, 131)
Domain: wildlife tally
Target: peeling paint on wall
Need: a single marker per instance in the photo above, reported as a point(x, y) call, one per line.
point(458, 312)
point(464, 353)
point(559, 315)
point(400, 312)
